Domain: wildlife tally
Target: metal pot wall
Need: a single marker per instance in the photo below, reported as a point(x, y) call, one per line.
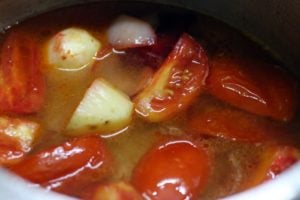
point(275, 24)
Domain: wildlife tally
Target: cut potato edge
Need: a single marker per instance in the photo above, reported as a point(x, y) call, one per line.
point(103, 109)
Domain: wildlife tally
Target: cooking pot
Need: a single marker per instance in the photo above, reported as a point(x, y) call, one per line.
point(274, 24)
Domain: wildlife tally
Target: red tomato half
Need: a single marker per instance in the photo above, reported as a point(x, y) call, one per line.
point(259, 88)
point(174, 170)
point(219, 120)
point(66, 167)
point(22, 84)
point(176, 84)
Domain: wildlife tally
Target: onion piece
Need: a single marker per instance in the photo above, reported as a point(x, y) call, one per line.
point(129, 32)
point(130, 78)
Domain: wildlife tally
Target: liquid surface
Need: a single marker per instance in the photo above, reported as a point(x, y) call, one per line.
point(233, 162)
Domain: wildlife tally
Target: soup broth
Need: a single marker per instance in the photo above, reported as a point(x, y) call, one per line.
point(233, 159)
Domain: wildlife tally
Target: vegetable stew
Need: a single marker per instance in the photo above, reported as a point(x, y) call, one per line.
point(116, 101)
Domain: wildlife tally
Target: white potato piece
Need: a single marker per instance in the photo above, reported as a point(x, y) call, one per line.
point(129, 32)
point(103, 109)
point(72, 49)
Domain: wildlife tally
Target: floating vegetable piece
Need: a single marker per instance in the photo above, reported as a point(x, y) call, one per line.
point(256, 87)
point(103, 109)
point(22, 85)
point(67, 166)
point(176, 84)
point(174, 170)
point(16, 139)
point(129, 32)
point(130, 78)
point(220, 120)
point(72, 49)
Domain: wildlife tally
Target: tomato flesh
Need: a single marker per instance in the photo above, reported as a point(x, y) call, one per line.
point(174, 170)
point(10, 150)
point(224, 121)
point(256, 87)
point(22, 85)
point(176, 84)
point(67, 166)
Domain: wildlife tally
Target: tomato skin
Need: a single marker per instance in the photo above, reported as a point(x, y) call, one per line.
point(22, 85)
point(220, 120)
point(174, 170)
point(10, 150)
point(176, 84)
point(273, 161)
point(259, 88)
point(66, 166)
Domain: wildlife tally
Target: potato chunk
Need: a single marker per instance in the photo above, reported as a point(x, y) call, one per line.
point(103, 109)
point(72, 49)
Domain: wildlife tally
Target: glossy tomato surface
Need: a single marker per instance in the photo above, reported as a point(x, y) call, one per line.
point(174, 170)
point(176, 84)
point(22, 86)
point(67, 166)
point(257, 87)
point(214, 114)
point(217, 119)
